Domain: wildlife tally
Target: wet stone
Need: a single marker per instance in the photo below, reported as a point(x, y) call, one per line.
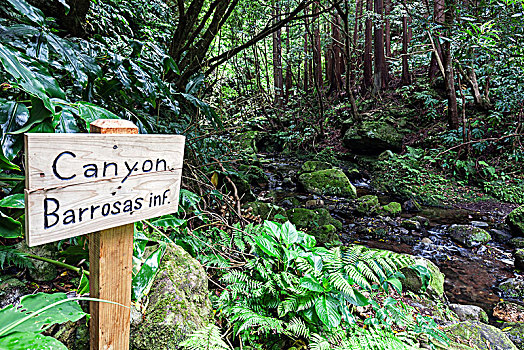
point(512, 288)
point(469, 312)
point(517, 242)
point(509, 312)
point(480, 224)
point(500, 235)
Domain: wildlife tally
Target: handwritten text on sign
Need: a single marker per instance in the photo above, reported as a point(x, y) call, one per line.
point(81, 183)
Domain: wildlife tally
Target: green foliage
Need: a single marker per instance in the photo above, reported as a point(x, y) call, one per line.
point(10, 256)
point(20, 326)
point(293, 289)
point(207, 338)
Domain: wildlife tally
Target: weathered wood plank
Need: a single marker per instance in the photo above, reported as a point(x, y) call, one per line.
point(102, 181)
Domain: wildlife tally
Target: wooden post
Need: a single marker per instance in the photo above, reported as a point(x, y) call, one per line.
point(110, 267)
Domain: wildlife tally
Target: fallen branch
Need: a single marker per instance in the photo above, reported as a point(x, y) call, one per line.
point(496, 139)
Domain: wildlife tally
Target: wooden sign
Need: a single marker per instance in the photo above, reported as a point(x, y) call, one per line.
point(81, 183)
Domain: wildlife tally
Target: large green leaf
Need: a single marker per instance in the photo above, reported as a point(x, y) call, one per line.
point(267, 246)
point(44, 310)
point(30, 341)
point(143, 280)
point(39, 113)
point(311, 283)
point(32, 13)
point(326, 309)
point(13, 116)
point(13, 201)
point(65, 122)
point(289, 234)
point(90, 112)
point(11, 60)
point(69, 56)
point(9, 227)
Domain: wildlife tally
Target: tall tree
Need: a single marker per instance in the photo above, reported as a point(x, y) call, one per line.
point(438, 19)
point(406, 75)
point(368, 43)
point(388, 7)
point(278, 80)
point(453, 118)
point(381, 72)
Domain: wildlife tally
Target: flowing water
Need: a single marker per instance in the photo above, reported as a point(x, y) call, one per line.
point(472, 274)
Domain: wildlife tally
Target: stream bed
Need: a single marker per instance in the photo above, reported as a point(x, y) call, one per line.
point(472, 274)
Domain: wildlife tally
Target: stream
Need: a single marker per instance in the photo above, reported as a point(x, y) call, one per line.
point(472, 274)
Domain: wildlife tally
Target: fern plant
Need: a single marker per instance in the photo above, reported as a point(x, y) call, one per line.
point(10, 256)
point(291, 288)
point(206, 338)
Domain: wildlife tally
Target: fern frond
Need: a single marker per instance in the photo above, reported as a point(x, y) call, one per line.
point(297, 327)
point(206, 338)
point(10, 256)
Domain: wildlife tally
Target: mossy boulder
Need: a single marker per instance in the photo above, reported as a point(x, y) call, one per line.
point(312, 218)
point(266, 211)
point(178, 303)
point(253, 174)
point(374, 137)
point(468, 235)
point(328, 182)
point(519, 259)
point(325, 234)
point(411, 224)
point(517, 242)
point(512, 288)
point(391, 209)
point(367, 205)
point(413, 282)
point(515, 221)
point(243, 188)
point(74, 335)
point(508, 311)
point(314, 165)
point(40, 270)
point(11, 290)
point(480, 335)
point(469, 312)
point(515, 332)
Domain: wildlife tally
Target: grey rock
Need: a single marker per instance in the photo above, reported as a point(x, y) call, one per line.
point(41, 271)
point(178, 303)
point(515, 332)
point(512, 288)
point(411, 225)
point(517, 242)
point(468, 235)
point(469, 312)
point(519, 259)
point(500, 235)
point(480, 224)
point(480, 335)
point(11, 290)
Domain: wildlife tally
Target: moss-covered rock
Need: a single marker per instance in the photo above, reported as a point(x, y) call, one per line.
point(374, 137)
point(508, 311)
point(468, 235)
point(40, 270)
point(266, 211)
point(411, 224)
point(253, 174)
point(512, 288)
point(178, 303)
point(74, 335)
point(314, 165)
point(312, 218)
point(519, 259)
point(243, 188)
point(11, 290)
point(247, 141)
point(328, 182)
point(391, 209)
point(367, 205)
point(480, 335)
point(325, 234)
point(413, 282)
point(517, 242)
point(469, 312)
point(515, 332)
point(515, 221)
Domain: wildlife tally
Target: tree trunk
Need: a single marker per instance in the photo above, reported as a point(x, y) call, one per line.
point(368, 43)
point(388, 7)
point(453, 118)
point(406, 76)
point(278, 82)
point(288, 81)
point(438, 17)
point(381, 73)
point(337, 59)
point(317, 48)
point(307, 76)
point(73, 22)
